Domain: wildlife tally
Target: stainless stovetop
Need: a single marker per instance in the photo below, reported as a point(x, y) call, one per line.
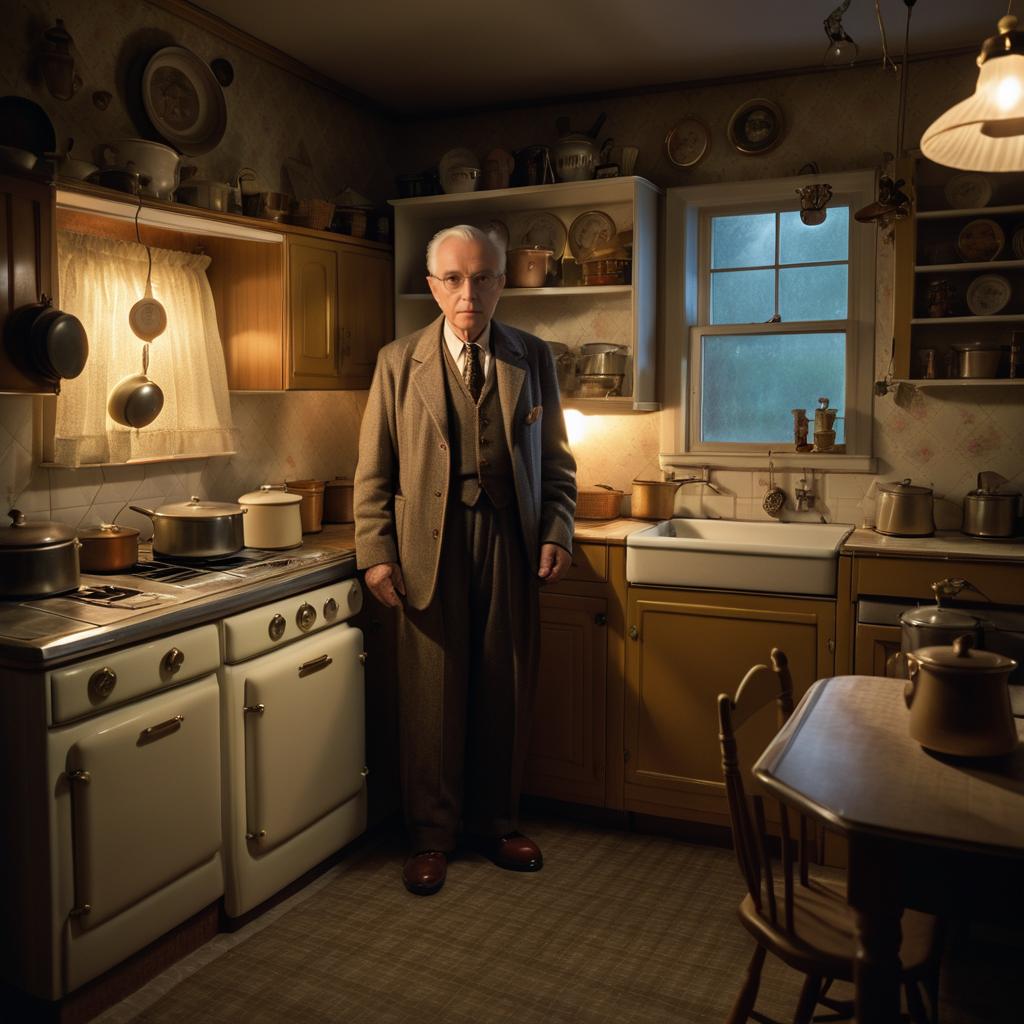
point(112, 610)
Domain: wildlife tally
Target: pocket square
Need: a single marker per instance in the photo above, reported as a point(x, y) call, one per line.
point(534, 414)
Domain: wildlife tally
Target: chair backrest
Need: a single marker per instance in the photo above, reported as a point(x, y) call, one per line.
point(759, 687)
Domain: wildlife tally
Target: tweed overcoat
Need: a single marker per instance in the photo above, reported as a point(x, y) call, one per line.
point(403, 474)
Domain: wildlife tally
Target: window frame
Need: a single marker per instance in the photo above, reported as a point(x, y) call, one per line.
point(686, 310)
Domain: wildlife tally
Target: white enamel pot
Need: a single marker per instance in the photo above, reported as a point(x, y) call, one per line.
point(272, 518)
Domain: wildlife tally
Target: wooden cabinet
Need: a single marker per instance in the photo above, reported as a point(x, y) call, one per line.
point(685, 648)
point(296, 308)
point(873, 647)
point(529, 216)
point(566, 759)
point(959, 274)
point(27, 267)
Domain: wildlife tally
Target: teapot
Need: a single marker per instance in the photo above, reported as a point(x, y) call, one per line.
point(959, 700)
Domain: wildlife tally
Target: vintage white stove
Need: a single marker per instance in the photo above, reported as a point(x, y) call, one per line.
point(170, 735)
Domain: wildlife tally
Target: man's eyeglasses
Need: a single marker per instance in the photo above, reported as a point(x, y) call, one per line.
point(484, 281)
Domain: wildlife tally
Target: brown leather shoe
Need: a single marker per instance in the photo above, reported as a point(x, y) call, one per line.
point(424, 872)
point(514, 852)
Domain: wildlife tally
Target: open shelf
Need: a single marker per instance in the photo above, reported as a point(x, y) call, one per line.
point(964, 382)
point(952, 321)
point(989, 265)
point(981, 211)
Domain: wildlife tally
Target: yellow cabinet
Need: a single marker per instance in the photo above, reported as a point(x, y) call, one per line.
point(365, 313)
point(683, 649)
point(566, 759)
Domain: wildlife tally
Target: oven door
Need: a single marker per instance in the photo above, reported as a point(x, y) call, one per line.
point(304, 734)
point(145, 792)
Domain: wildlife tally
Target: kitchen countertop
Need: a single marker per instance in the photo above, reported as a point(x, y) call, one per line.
point(948, 544)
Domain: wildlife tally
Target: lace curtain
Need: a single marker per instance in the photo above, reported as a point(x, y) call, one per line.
point(100, 280)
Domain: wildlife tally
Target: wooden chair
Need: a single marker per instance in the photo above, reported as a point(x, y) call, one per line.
point(805, 922)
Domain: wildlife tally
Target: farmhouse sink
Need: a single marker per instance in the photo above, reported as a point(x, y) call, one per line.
point(725, 554)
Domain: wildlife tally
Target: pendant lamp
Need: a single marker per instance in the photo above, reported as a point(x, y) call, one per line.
point(986, 131)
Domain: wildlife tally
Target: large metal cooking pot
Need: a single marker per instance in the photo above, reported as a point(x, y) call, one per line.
point(959, 700)
point(196, 529)
point(108, 548)
point(653, 499)
point(527, 267)
point(37, 559)
point(904, 510)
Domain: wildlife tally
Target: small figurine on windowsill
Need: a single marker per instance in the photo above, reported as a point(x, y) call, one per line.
point(800, 428)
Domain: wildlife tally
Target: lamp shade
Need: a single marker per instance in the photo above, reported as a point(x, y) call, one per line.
point(986, 131)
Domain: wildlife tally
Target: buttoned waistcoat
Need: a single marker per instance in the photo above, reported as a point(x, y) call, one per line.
point(404, 470)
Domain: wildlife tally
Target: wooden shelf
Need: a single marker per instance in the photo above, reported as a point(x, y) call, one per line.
point(515, 293)
point(989, 265)
point(964, 382)
point(952, 321)
point(981, 211)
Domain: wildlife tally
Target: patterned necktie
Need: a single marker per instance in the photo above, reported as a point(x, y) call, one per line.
point(473, 370)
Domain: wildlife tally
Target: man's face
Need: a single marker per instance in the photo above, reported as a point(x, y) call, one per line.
point(469, 308)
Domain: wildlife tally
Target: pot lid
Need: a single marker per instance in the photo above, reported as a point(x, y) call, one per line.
point(195, 508)
point(933, 616)
point(994, 495)
point(532, 250)
point(270, 494)
point(903, 487)
point(23, 534)
point(962, 657)
point(107, 530)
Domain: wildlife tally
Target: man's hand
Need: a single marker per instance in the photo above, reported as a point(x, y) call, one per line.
point(386, 583)
point(553, 562)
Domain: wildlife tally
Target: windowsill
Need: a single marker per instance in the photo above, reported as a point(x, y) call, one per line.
point(833, 463)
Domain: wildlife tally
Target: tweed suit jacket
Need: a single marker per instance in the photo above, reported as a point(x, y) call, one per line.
point(403, 474)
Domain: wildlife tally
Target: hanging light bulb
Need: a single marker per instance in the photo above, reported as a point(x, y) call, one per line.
point(841, 48)
point(985, 132)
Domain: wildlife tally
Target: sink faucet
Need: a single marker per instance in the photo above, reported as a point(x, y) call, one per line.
point(805, 495)
point(704, 479)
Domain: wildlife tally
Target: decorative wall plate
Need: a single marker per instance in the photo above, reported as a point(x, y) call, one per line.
point(756, 127)
point(967, 191)
point(589, 231)
point(184, 100)
point(688, 142)
point(980, 240)
point(988, 295)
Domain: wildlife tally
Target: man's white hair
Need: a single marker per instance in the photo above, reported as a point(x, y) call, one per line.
point(467, 233)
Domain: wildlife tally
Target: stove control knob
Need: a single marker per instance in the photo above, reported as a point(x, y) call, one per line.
point(173, 660)
point(102, 683)
point(305, 617)
point(276, 627)
point(330, 609)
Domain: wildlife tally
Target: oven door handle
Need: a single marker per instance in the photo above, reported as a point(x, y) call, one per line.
point(155, 732)
point(315, 664)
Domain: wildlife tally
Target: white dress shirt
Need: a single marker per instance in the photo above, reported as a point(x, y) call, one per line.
point(457, 347)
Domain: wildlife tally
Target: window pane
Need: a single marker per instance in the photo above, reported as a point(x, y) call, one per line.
point(742, 296)
point(817, 243)
point(744, 241)
point(812, 293)
point(750, 384)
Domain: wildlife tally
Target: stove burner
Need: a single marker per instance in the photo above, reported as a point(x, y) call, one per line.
point(105, 593)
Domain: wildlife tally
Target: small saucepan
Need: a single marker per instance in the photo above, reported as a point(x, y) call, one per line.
point(108, 548)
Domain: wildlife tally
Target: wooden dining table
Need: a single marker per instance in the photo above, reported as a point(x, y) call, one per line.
point(924, 830)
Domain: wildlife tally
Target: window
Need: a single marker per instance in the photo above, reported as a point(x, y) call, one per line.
point(775, 313)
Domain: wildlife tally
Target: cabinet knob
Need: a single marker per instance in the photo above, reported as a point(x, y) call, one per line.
point(634, 633)
point(600, 619)
point(363, 657)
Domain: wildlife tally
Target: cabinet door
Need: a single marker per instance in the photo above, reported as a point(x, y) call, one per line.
point(687, 649)
point(365, 289)
point(566, 759)
point(313, 316)
point(27, 268)
point(875, 645)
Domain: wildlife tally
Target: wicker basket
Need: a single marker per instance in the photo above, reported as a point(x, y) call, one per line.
point(598, 503)
point(311, 213)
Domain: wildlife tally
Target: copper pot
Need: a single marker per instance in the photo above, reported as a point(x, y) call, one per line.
point(108, 548)
point(338, 501)
point(653, 499)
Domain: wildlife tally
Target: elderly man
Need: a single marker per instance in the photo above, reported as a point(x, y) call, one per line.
point(464, 499)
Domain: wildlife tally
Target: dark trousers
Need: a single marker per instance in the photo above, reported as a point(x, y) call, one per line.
point(467, 676)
